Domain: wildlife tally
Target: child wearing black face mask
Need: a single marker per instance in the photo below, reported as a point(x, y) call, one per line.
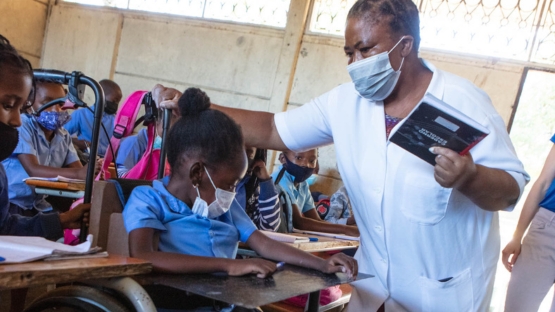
point(81, 123)
point(295, 170)
point(16, 75)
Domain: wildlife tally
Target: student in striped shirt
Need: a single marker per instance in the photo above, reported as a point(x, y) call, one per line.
point(257, 194)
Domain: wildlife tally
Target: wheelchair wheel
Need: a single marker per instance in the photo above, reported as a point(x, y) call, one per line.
point(77, 299)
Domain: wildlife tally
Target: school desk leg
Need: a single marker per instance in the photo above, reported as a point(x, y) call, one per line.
point(313, 301)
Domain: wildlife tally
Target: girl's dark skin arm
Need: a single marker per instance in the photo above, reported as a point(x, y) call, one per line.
point(271, 249)
point(73, 171)
point(141, 245)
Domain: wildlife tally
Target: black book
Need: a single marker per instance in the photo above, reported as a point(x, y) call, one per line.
point(436, 123)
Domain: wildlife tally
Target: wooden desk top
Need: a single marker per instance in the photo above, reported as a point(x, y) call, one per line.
point(64, 271)
point(324, 243)
point(249, 291)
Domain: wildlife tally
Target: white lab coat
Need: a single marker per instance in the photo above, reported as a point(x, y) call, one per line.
point(413, 231)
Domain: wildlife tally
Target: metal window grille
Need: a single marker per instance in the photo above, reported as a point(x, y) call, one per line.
point(262, 12)
point(516, 29)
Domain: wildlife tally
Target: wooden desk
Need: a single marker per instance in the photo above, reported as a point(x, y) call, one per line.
point(61, 189)
point(250, 291)
point(60, 193)
point(323, 244)
point(64, 271)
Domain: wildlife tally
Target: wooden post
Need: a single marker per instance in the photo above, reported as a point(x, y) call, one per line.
point(297, 17)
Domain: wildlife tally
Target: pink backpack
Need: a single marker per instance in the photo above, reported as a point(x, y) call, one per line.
point(124, 125)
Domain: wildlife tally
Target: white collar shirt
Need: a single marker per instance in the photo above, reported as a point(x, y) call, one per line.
point(414, 233)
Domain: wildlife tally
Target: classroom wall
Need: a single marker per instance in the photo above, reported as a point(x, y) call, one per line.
point(243, 66)
point(23, 22)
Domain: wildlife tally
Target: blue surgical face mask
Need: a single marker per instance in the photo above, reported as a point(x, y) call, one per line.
point(374, 78)
point(52, 120)
point(299, 173)
point(312, 179)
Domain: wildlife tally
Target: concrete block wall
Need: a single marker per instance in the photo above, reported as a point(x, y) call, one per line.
point(23, 22)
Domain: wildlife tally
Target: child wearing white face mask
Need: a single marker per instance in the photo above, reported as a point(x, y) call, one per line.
point(194, 210)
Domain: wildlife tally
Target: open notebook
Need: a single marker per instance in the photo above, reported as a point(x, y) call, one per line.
point(19, 249)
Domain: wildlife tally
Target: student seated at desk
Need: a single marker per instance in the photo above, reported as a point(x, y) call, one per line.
point(16, 77)
point(194, 210)
point(81, 123)
point(298, 168)
point(257, 194)
point(44, 150)
point(133, 148)
point(295, 169)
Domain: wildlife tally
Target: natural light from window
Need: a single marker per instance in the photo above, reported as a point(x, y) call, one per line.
point(261, 12)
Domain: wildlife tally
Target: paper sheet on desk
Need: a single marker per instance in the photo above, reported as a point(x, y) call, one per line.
point(19, 249)
point(338, 236)
point(287, 238)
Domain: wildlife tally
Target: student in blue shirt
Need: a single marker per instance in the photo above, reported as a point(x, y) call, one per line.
point(194, 210)
point(295, 183)
point(16, 76)
point(44, 150)
point(81, 123)
point(296, 168)
point(257, 194)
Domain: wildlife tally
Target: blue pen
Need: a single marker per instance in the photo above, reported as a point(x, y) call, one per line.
point(2, 259)
point(280, 266)
point(313, 239)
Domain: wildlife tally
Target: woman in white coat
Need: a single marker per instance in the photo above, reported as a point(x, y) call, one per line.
point(428, 233)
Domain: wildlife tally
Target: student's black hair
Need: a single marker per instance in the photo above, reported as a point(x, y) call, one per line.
point(403, 14)
point(10, 58)
point(210, 134)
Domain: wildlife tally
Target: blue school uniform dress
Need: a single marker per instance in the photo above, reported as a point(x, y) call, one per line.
point(81, 124)
point(130, 151)
point(299, 195)
point(57, 153)
point(182, 231)
point(45, 225)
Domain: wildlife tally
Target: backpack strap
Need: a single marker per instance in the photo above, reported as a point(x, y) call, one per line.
point(286, 211)
point(124, 125)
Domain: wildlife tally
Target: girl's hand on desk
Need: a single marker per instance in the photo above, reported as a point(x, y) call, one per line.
point(340, 262)
point(262, 268)
point(72, 219)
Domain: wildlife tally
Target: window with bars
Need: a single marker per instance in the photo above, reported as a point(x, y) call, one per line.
point(516, 29)
point(262, 12)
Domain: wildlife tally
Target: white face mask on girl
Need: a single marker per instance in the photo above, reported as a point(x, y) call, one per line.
point(218, 207)
point(374, 78)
